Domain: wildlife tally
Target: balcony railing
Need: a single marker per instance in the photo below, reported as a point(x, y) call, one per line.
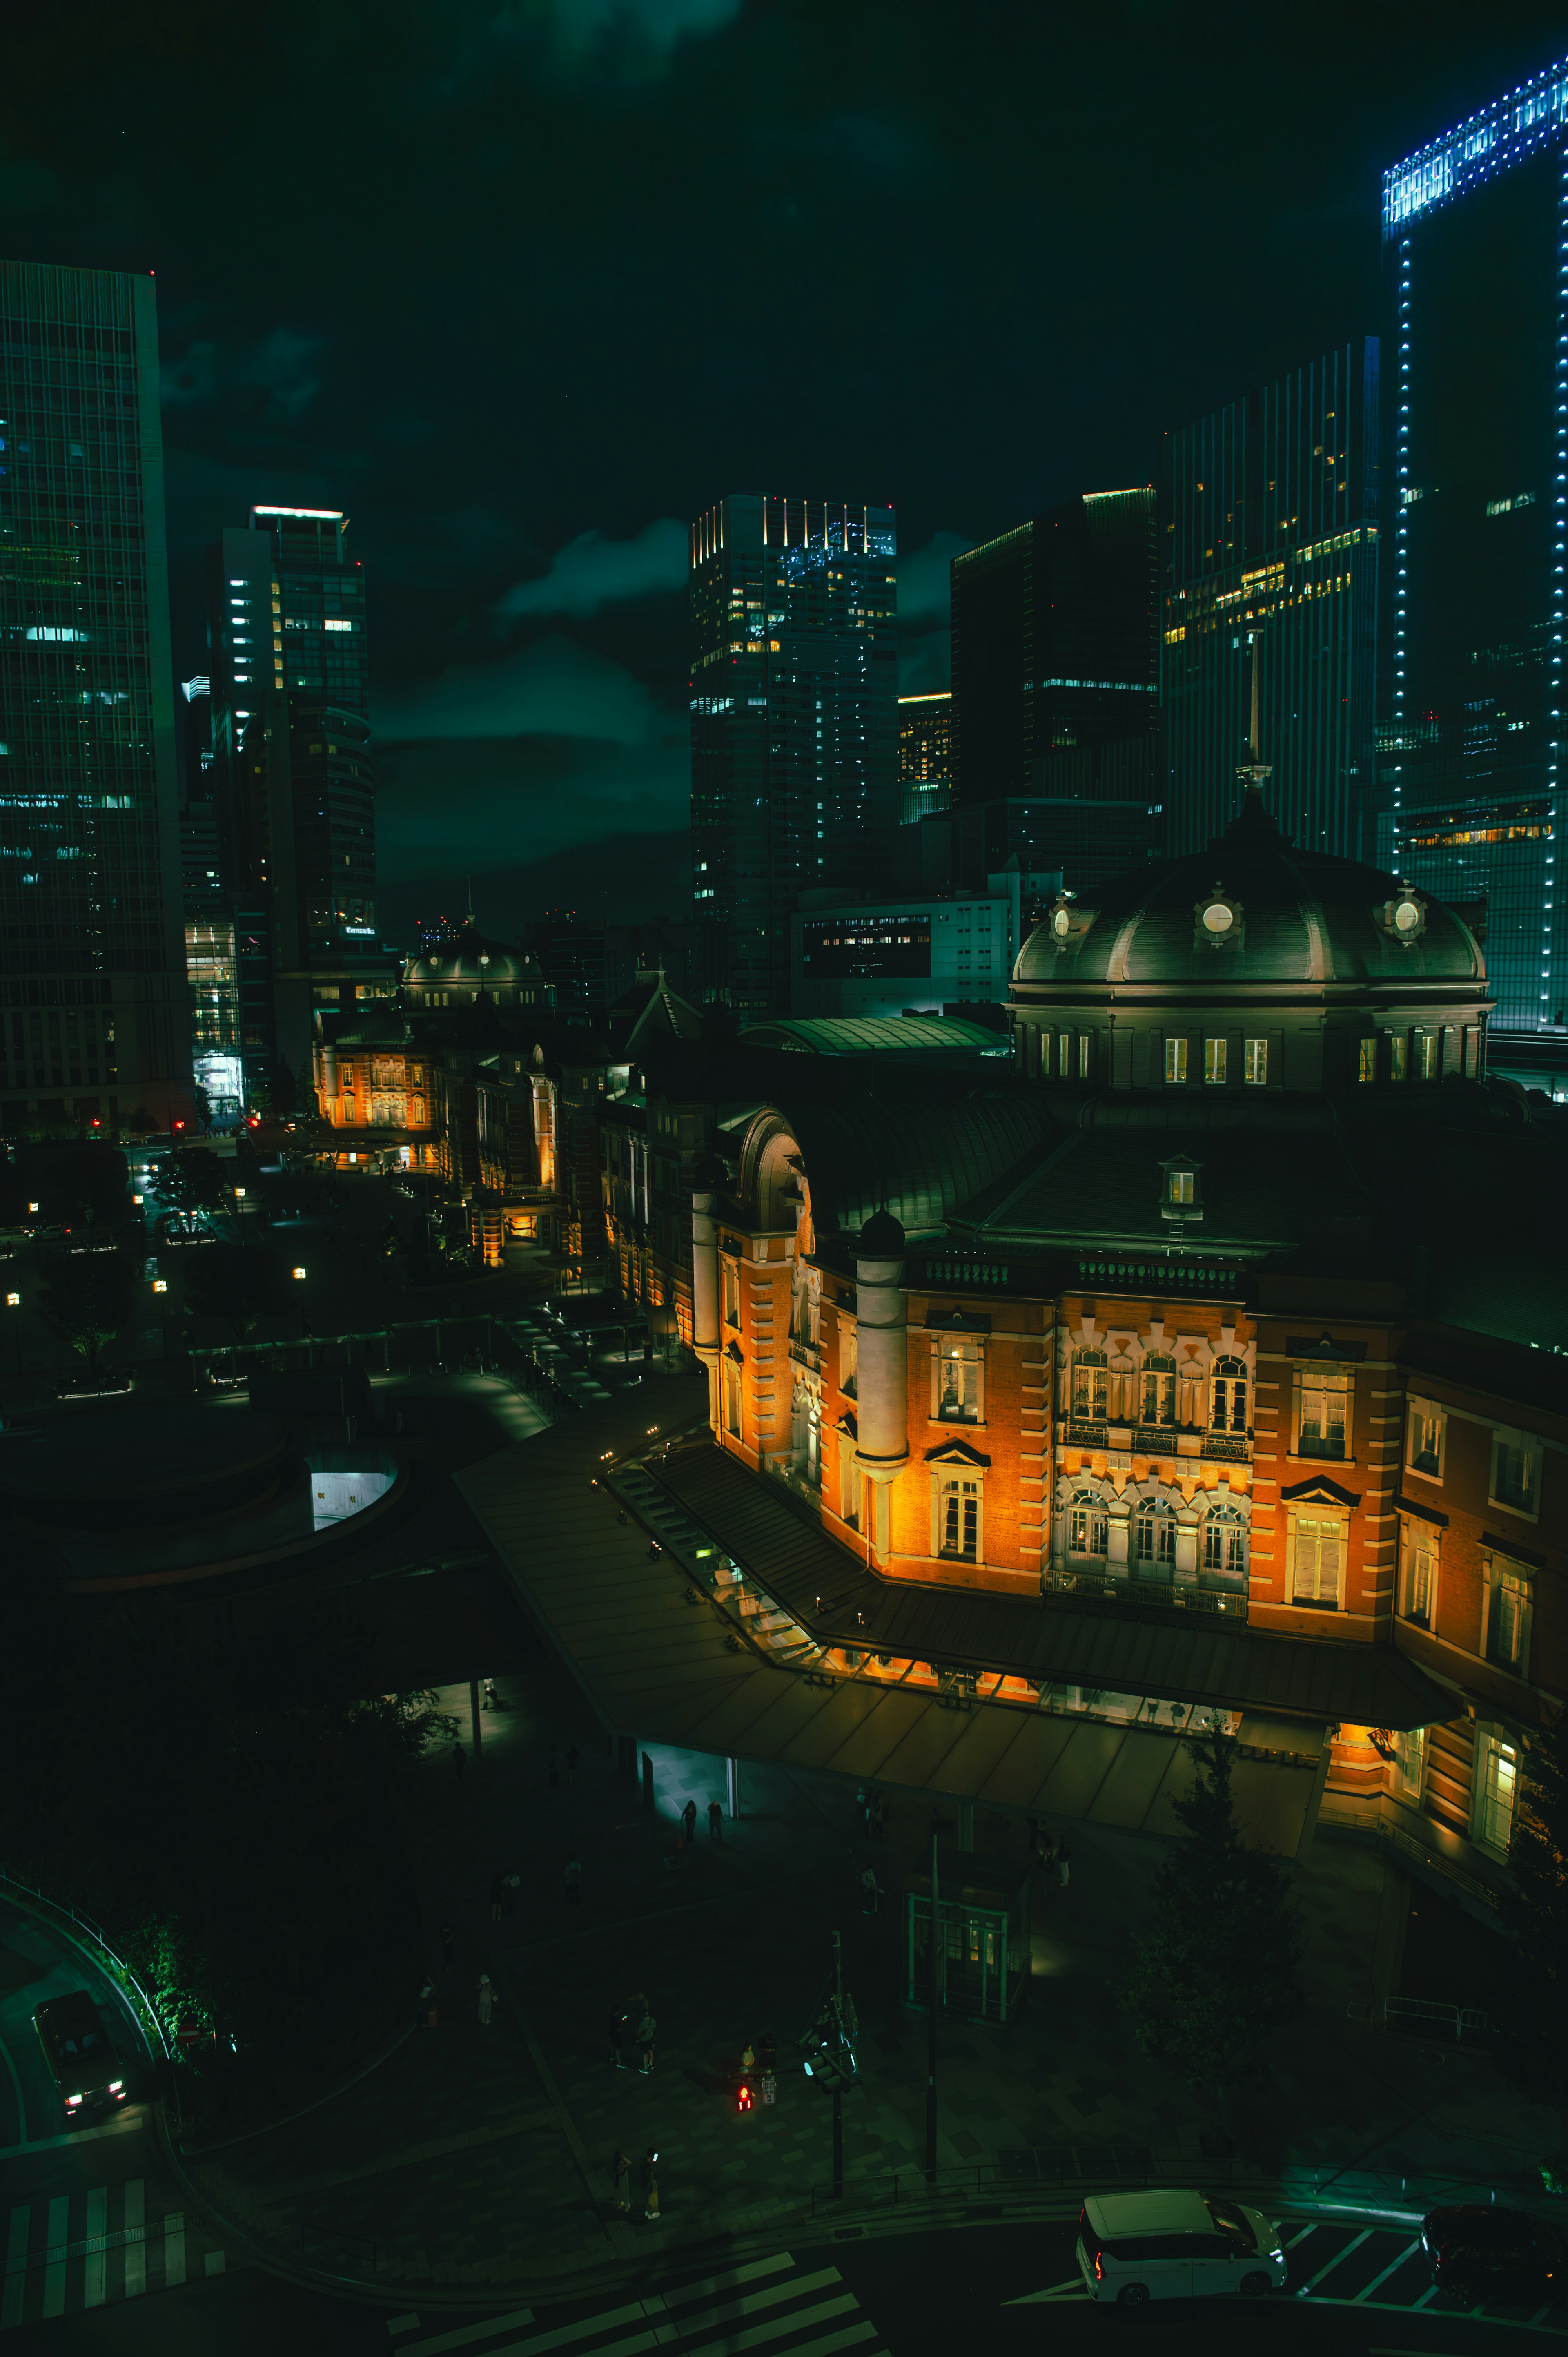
point(1085, 1436)
point(1095, 1583)
point(805, 1354)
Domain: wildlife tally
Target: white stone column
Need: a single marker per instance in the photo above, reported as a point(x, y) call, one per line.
point(1119, 1531)
point(1186, 1547)
point(882, 1375)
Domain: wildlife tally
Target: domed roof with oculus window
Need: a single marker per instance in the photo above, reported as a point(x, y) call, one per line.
point(1251, 909)
point(468, 965)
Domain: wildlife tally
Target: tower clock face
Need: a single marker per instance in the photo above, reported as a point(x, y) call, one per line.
point(1219, 918)
point(1061, 924)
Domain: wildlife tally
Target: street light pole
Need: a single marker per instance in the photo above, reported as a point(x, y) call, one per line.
point(931, 2031)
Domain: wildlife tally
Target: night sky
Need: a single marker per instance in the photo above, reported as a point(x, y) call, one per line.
point(522, 286)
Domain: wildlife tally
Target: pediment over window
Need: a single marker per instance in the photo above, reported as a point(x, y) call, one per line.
point(958, 1321)
point(732, 1351)
point(849, 1424)
point(1319, 1492)
point(956, 1452)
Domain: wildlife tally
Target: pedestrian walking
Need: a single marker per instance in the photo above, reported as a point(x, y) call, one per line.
point(554, 1769)
point(572, 1756)
point(862, 1802)
point(620, 2034)
point(620, 2183)
point(689, 1820)
point(646, 2031)
point(650, 2182)
point(716, 1821)
point(459, 1761)
point(491, 1703)
point(498, 1898)
point(871, 1892)
point(424, 2010)
point(573, 1881)
point(1063, 1863)
point(487, 2000)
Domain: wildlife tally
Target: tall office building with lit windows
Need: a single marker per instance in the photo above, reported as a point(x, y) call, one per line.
point(92, 984)
point(290, 762)
point(794, 724)
point(1273, 534)
point(1475, 232)
point(924, 755)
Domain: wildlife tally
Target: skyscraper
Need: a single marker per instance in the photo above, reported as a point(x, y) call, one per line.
point(92, 955)
point(1475, 233)
point(1273, 530)
point(291, 750)
point(924, 755)
point(794, 723)
point(1056, 690)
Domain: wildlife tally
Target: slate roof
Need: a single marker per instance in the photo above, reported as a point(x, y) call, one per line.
point(886, 1035)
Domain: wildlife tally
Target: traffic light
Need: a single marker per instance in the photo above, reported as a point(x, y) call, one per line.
point(743, 2097)
point(833, 2069)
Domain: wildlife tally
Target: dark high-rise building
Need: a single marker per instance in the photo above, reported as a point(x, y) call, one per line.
point(1475, 232)
point(925, 756)
point(92, 986)
point(291, 750)
point(1273, 530)
point(1055, 690)
point(794, 724)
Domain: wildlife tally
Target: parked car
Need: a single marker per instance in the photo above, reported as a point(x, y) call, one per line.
point(88, 2076)
point(1480, 2253)
point(1175, 2245)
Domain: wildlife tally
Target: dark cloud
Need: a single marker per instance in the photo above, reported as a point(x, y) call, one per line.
point(591, 572)
point(553, 688)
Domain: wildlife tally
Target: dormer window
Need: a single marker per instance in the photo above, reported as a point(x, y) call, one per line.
point(1179, 1185)
point(1181, 1190)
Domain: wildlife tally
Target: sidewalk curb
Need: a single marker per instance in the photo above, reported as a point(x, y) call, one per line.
point(351, 2078)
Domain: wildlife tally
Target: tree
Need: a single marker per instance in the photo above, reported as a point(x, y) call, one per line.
point(195, 1179)
point(237, 1283)
point(1534, 1999)
point(1219, 1968)
point(87, 1299)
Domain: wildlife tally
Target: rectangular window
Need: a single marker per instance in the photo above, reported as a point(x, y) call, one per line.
point(1418, 1571)
point(732, 1399)
point(732, 1294)
point(958, 1381)
point(1516, 1471)
point(1089, 1383)
point(1429, 1048)
point(849, 1481)
point(1213, 1059)
point(1085, 1057)
point(1496, 1767)
point(1398, 1056)
point(1089, 1528)
point(1508, 1616)
point(849, 1359)
point(1425, 1434)
point(1410, 1762)
point(959, 1515)
point(1323, 1400)
point(1317, 1559)
point(1175, 1060)
point(1368, 1066)
point(1255, 1063)
point(1179, 1187)
point(1065, 1055)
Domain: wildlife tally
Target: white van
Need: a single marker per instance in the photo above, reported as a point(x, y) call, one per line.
point(1175, 2246)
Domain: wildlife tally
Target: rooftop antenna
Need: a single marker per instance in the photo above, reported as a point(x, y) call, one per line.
point(470, 880)
point(1254, 772)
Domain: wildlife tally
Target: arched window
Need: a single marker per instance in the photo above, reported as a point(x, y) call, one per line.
point(1089, 1379)
point(1159, 1389)
point(1228, 1396)
point(1089, 1524)
point(1225, 1543)
point(1153, 1541)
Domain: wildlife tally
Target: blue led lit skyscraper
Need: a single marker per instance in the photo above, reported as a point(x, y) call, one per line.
point(92, 984)
point(1475, 227)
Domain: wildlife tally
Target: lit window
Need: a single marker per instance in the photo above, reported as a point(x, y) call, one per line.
point(959, 1519)
point(1153, 1541)
point(1368, 1066)
point(1228, 1406)
point(1213, 1059)
point(1176, 1062)
point(1084, 1069)
point(1410, 1762)
point(1498, 1768)
point(1515, 1470)
point(1255, 1063)
point(1418, 1571)
point(1399, 1057)
point(1089, 1379)
point(1424, 1438)
point(1089, 1524)
point(1317, 1557)
point(1323, 1398)
point(1159, 1390)
point(958, 1381)
point(1225, 1543)
point(1431, 1047)
point(1179, 1185)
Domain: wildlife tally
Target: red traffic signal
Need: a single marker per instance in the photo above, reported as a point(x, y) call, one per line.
point(255, 1121)
point(743, 2097)
point(179, 1124)
point(96, 1123)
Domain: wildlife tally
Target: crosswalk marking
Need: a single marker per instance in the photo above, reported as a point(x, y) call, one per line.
point(728, 2281)
point(54, 2271)
point(1378, 2281)
point(735, 2343)
point(760, 2306)
point(1343, 2252)
point(402, 2323)
point(83, 2249)
point(95, 2273)
point(771, 2297)
point(461, 2338)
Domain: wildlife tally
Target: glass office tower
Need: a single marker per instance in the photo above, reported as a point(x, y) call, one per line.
point(291, 759)
point(924, 755)
point(1273, 531)
point(1475, 230)
point(1056, 692)
point(794, 724)
point(93, 986)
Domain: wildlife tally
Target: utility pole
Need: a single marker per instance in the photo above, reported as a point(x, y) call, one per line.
point(931, 2030)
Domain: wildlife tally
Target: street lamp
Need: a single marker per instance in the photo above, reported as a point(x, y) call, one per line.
point(13, 1301)
point(298, 1274)
point(160, 1285)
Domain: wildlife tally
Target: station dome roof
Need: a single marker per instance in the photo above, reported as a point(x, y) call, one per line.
point(1251, 909)
point(470, 964)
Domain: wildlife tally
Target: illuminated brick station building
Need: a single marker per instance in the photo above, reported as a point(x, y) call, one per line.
point(1187, 1368)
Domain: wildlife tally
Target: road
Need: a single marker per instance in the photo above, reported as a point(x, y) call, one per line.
point(1354, 2289)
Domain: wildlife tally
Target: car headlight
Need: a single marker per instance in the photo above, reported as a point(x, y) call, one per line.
point(115, 2085)
point(72, 2099)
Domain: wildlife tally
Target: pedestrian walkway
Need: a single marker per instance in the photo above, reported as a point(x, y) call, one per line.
point(87, 2249)
point(1366, 2268)
point(770, 2305)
